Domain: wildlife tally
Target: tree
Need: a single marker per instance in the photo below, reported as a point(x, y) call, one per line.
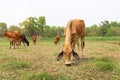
point(94, 30)
point(30, 27)
point(14, 27)
point(115, 31)
point(3, 27)
point(41, 23)
point(104, 27)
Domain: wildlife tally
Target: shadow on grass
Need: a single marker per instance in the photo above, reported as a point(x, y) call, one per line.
point(82, 60)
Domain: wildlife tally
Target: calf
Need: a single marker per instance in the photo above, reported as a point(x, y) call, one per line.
point(34, 38)
point(57, 39)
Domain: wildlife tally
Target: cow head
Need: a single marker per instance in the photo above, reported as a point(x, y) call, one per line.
point(27, 42)
point(67, 52)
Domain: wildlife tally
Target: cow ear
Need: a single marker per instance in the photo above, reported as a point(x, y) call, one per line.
point(75, 55)
point(60, 55)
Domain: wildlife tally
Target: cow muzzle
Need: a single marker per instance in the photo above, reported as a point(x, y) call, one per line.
point(68, 63)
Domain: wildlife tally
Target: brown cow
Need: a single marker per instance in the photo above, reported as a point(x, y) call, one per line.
point(57, 39)
point(14, 37)
point(74, 30)
point(34, 38)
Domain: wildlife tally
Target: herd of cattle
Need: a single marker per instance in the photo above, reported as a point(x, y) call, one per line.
point(74, 30)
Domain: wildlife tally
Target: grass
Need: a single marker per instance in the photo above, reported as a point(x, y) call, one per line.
point(38, 62)
point(46, 76)
point(19, 64)
point(42, 76)
point(105, 65)
point(106, 38)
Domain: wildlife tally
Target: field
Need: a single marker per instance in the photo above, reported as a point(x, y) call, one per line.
point(38, 62)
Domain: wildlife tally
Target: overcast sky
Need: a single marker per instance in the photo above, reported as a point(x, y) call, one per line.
point(58, 12)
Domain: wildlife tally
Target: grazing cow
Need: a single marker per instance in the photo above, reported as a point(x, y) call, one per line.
point(13, 36)
point(74, 30)
point(57, 39)
point(34, 38)
point(24, 39)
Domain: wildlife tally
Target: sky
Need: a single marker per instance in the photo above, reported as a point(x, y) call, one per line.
point(59, 12)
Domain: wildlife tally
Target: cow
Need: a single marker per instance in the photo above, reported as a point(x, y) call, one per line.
point(57, 39)
point(24, 39)
point(34, 38)
point(13, 36)
point(74, 30)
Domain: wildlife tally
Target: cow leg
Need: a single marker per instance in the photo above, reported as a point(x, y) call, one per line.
point(78, 45)
point(73, 46)
point(10, 44)
point(82, 45)
point(17, 44)
point(14, 44)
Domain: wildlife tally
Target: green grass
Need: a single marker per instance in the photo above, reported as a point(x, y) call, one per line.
point(118, 71)
point(42, 76)
point(101, 61)
point(19, 64)
point(46, 76)
point(110, 38)
point(104, 64)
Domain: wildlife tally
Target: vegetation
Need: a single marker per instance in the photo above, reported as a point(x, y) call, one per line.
point(38, 62)
point(106, 28)
point(37, 26)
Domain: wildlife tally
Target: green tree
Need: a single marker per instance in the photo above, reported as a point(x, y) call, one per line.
point(115, 31)
point(30, 27)
point(94, 30)
point(14, 27)
point(104, 27)
point(41, 23)
point(3, 27)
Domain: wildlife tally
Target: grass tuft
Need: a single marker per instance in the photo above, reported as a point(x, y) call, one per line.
point(104, 64)
point(46, 76)
point(19, 64)
point(103, 59)
point(118, 71)
point(42, 76)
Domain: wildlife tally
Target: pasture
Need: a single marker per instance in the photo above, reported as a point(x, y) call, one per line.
point(38, 62)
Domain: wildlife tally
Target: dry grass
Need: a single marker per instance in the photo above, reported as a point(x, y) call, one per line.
point(41, 58)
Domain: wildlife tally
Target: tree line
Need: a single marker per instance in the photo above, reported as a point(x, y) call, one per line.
point(37, 26)
point(106, 28)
